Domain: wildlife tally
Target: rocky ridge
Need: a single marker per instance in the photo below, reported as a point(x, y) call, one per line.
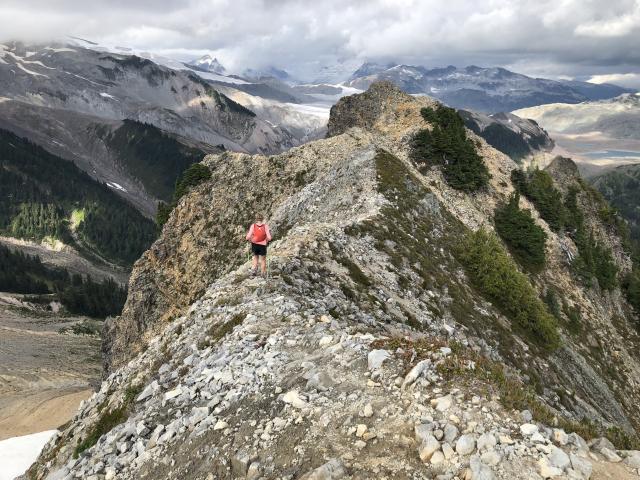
point(366, 354)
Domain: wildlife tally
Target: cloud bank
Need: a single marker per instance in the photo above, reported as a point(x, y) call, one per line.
point(575, 38)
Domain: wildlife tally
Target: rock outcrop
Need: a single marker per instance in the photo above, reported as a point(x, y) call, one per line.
point(367, 353)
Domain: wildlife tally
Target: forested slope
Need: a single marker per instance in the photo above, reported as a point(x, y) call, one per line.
point(46, 196)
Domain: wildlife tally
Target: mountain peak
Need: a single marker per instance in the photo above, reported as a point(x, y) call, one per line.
point(365, 110)
point(208, 63)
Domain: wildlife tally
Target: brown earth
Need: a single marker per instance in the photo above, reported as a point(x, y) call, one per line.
point(44, 374)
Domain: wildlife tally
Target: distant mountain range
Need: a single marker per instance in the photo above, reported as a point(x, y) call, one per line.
point(488, 90)
point(72, 99)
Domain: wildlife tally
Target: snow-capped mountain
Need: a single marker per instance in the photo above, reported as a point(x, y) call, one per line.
point(69, 98)
point(207, 63)
point(253, 74)
point(482, 89)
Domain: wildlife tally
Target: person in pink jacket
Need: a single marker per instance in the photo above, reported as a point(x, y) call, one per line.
point(259, 236)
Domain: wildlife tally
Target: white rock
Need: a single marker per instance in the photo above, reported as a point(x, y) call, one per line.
point(528, 429)
point(173, 393)
point(450, 433)
point(538, 438)
point(505, 439)
point(423, 431)
point(491, 458)
point(428, 447)
point(220, 425)
point(465, 445)
point(581, 465)
point(332, 470)
point(360, 430)
point(437, 457)
point(368, 411)
point(632, 458)
point(198, 414)
point(557, 458)
point(148, 391)
point(610, 455)
point(448, 451)
point(442, 404)
point(293, 398)
point(486, 441)
point(560, 437)
point(326, 340)
point(547, 470)
point(415, 372)
point(479, 471)
point(376, 358)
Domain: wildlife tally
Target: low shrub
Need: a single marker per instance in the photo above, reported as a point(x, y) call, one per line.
point(496, 276)
point(108, 420)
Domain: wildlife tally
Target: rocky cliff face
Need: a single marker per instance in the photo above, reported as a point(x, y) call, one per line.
point(368, 353)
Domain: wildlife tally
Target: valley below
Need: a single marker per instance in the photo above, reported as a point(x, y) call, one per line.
point(594, 152)
point(44, 374)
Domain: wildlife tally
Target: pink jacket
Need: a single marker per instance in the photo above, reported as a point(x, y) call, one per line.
point(266, 230)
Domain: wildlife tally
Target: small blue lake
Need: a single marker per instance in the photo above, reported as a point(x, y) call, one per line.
point(612, 154)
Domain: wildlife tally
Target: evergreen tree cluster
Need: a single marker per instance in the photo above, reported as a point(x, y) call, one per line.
point(152, 156)
point(39, 191)
point(495, 274)
point(191, 177)
point(621, 188)
point(37, 220)
point(594, 260)
point(116, 234)
point(537, 185)
point(525, 239)
point(447, 145)
point(26, 274)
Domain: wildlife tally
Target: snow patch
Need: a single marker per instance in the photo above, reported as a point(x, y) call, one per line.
point(85, 79)
point(116, 186)
point(106, 95)
point(18, 453)
point(31, 72)
point(309, 109)
point(216, 78)
point(60, 50)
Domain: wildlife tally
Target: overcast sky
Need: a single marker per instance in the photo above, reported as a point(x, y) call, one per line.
point(554, 38)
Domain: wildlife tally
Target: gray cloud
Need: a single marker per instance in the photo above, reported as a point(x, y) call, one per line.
point(578, 38)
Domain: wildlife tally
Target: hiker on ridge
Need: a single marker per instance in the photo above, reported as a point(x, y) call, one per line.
point(259, 236)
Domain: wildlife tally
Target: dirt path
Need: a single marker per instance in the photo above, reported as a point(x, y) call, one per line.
point(44, 374)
